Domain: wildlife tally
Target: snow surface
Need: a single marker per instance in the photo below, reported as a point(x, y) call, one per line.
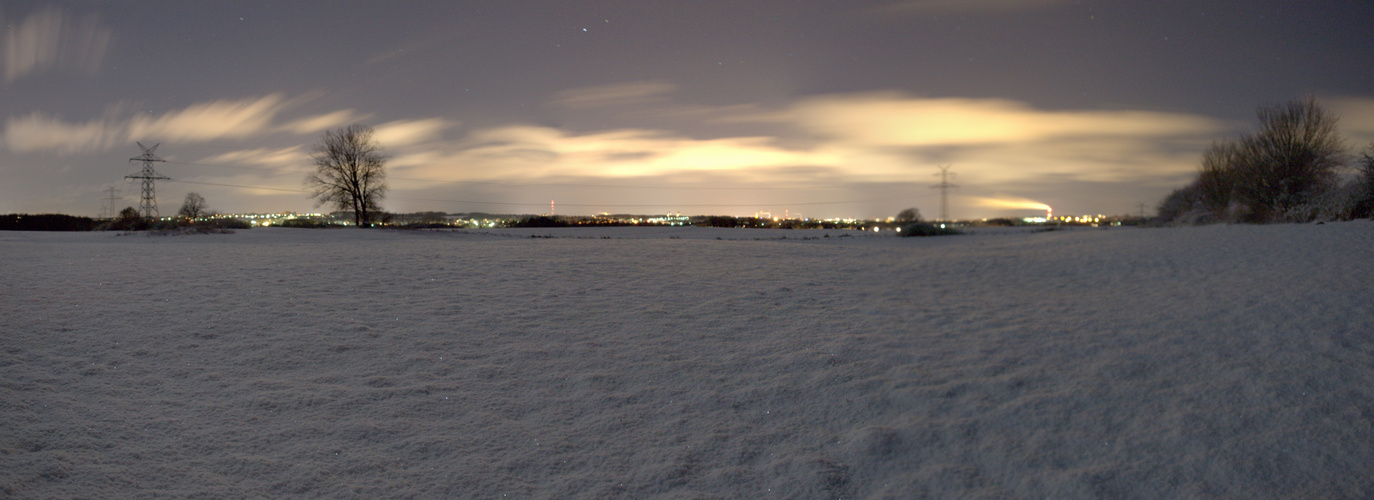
point(1219, 361)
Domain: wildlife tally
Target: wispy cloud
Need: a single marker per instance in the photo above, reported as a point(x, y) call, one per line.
point(861, 139)
point(50, 38)
point(294, 156)
point(43, 132)
point(528, 152)
point(870, 137)
point(407, 132)
point(317, 123)
point(620, 94)
point(209, 120)
point(234, 119)
point(893, 119)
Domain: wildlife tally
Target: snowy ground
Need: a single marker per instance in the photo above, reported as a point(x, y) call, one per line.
point(1221, 361)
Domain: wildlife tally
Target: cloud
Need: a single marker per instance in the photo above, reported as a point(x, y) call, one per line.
point(620, 94)
point(528, 152)
point(289, 156)
point(1356, 119)
point(50, 38)
point(210, 120)
point(969, 6)
point(200, 122)
point(881, 139)
point(42, 132)
point(317, 123)
point(877, 138)
point(893, 119)
point(406, 132)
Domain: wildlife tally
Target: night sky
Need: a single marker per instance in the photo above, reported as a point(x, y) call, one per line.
point(804, 107)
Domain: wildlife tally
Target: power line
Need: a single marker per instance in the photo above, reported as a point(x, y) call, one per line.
point(242, 186)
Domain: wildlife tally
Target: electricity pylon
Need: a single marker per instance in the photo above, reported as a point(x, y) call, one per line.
point(944, 186)
point(109, 206)
point(148, 204)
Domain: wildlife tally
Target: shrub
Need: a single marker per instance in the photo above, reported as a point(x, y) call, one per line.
point(1185, 206)
point(128, 220)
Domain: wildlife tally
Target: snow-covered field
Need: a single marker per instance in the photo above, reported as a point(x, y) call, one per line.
point(1221, 361)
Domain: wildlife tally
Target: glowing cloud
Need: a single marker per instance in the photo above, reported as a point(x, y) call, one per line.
point(50, 38)
point(41, 132)
point(863, 138)
point(528, 152)
point(211, 120)
point(318, 123)
point(892, 119)
point(1356, 119)
point(200, 122)
point(294, 155)
point(405, 132)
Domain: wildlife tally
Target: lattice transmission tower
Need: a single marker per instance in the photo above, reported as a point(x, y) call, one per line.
point(148, 204)
point(944, 186)
point(109, 208)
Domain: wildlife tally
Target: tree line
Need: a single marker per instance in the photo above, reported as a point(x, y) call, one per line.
point(1293, 168)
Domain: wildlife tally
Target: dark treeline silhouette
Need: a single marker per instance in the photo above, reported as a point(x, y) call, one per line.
point(539, 221)
point(130, 220)
point(46, 222)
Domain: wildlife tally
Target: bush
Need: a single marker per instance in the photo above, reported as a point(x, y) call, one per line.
point(128, 220)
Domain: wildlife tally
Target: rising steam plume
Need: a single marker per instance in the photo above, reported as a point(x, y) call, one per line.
point(1014, 202)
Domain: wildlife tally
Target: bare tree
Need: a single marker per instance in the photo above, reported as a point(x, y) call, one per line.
point(193, 207)
point(1293, 157)
point(1364, 195)
point(349, 172)
point(909, 215)
point(1216, 182)
point(1279, 172)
